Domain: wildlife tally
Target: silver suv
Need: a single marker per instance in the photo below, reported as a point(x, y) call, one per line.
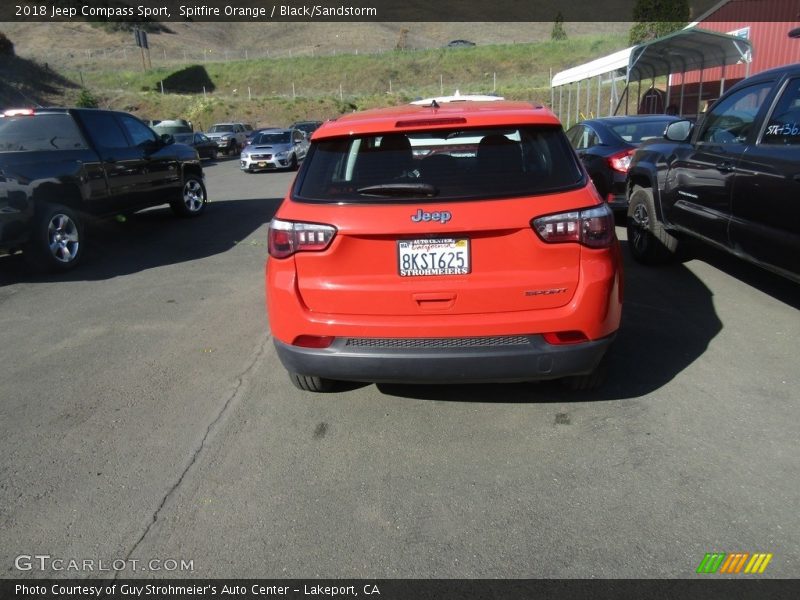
point(230, 137)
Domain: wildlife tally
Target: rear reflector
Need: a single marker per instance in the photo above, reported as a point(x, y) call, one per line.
point(592, 227)
point(288, 237)
point(561, 338)
point(313, 341)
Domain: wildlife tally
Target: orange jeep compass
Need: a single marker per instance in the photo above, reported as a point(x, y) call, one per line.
point(452, 240)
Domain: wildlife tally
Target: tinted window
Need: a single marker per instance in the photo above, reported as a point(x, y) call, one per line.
point(40, 132)
point(450, 164)
point(139, 132)
point(586, 139)
point(271, 138)
point(636, 133)
point(730, 119)
point(105, 130)
point(783, 126)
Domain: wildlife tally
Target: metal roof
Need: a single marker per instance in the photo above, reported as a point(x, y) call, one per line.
point(680, 52)
point(684, 51)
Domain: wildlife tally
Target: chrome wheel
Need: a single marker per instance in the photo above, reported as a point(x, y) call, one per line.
point(63, 238)
point(641, 227)
point(193, 195)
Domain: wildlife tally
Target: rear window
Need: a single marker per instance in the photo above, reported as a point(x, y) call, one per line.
point(40, 132)
point(452, 164)
point(636, 133)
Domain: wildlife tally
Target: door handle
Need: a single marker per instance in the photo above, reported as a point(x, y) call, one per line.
point(726, 167)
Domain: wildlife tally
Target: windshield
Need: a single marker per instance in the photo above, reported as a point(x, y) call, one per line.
point(272, 138)
point(221, 129)
point(636, 133)
point(183, 138)
point(443, 164)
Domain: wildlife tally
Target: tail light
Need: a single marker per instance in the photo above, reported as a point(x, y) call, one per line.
point(17, 112)
point(288, 237)
point(621, 161)
point(592, 227)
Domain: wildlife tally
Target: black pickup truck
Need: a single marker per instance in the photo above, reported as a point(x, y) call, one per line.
point(59, 166)
point(733, 180)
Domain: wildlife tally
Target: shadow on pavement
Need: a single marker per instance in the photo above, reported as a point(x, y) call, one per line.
point(153, 238)
point(668, 322)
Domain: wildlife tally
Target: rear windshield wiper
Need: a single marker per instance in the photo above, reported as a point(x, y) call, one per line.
point(399, 190)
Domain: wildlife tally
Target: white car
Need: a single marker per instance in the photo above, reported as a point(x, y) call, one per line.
point(274, 149)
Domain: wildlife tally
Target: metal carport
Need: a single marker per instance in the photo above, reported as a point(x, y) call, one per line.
point(686, 50)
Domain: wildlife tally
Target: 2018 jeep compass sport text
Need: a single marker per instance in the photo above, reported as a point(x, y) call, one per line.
point(443, 242)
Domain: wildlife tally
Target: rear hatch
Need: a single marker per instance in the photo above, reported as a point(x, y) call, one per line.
point(440, 223)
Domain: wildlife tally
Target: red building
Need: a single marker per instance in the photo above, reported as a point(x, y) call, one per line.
point(766, 23)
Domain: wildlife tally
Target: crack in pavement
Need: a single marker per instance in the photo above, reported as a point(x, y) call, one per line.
point(240, 382)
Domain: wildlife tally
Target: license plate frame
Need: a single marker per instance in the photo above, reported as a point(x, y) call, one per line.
point(435, 257)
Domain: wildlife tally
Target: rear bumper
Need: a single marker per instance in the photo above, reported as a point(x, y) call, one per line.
point(444, 360)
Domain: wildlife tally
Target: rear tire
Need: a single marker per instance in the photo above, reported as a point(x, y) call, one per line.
point(649, 242)
point(312, 383)
point(193, 199)
point(56, 242)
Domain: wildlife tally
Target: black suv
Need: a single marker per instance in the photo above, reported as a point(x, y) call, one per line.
point(733, 180)
point(59, 166)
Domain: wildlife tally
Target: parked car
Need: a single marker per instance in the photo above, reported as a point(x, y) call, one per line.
point(206, 148)
point(731, 181)
point(274, 149)
point(460, 44)
point(307, 127)
point(59, 166)
point(605, 145)
point(172, 126)
point(230, 137)
point(489, 258)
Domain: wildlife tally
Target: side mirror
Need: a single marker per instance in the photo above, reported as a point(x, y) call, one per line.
point(679, 131)
point(167, 139)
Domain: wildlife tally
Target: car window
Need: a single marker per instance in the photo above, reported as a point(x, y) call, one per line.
point(586, 138)
point(139, 133)
point(200, 138)
point(783, 126)
point(729, 120)
point(104, 130)
point(636, 133)
point(40, 132)
point(221, 129)
point(445, 164)
point(574, 134)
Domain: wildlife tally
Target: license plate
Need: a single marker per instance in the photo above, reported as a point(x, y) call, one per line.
point(262, 164)
point(419, 258)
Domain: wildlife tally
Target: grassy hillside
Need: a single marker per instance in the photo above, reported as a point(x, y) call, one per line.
point(275, 91)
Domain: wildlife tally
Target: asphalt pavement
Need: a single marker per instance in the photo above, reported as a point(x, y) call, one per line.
point(144, 417)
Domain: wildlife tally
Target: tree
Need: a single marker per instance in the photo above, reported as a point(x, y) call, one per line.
point(87, 100)
point(6, 47)
point(558, 32)
point(657, 18)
